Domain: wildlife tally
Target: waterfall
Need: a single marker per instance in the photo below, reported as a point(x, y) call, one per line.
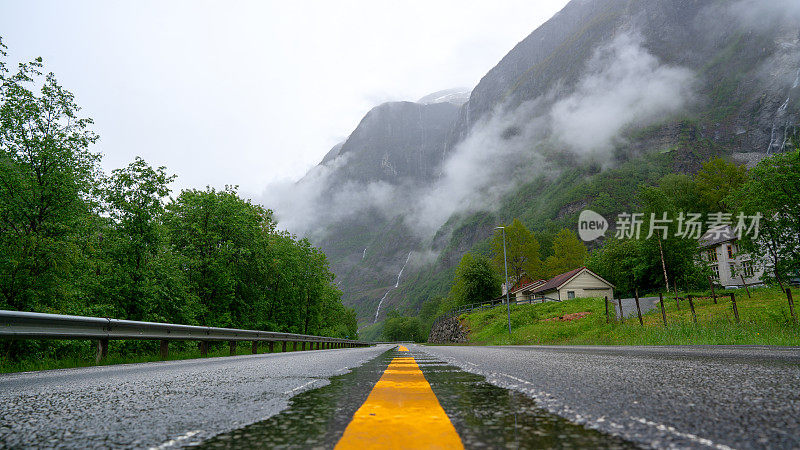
point(380, 303)
point(775, 140)
point(402, 269)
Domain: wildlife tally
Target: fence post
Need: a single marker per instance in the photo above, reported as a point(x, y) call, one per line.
point(102, 350)
point(608, 319)
point(164, 349)
point(663, 312)
point(691, 305)
point(735, 309)
point(621, 315)
point(232, 345)
point(791, 304)
point(713, 292)
point(745, 285)
point(638, 309)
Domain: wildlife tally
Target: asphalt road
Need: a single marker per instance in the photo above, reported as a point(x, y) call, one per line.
point(161, 404)
point(662, 397)
point(698, 396)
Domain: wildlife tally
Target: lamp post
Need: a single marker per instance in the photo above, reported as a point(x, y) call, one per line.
point(508, 288)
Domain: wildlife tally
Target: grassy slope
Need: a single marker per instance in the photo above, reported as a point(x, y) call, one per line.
point(765, 320)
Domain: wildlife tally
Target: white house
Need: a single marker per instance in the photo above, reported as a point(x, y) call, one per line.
point(719, 248)
point(576, 283)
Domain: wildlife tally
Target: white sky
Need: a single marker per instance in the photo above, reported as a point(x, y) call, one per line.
point(255, 92)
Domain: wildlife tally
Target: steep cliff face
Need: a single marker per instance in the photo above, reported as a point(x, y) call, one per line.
point(397, 141)
point(602, 83)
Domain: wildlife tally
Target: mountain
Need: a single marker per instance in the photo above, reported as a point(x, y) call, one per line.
point(606, 95)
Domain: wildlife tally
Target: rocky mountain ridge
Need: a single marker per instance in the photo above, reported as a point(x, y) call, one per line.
point(601, 84)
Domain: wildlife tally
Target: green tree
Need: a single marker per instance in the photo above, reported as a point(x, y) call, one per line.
point(773, 191)
point(568, 253)
point(522, 252)
point(48, 177)
point(475, 281)
point(135, 246)
point(400, 328)
point(223, 242)
point(716, 180)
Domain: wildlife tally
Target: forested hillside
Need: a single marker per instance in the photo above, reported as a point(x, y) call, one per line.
point(74, 240)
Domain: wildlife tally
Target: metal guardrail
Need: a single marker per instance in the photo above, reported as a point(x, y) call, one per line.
point(29, 325)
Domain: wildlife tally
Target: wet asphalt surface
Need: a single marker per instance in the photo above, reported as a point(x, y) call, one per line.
point(496, 397)
point(484, 415)
point(164, 404)
point(661, 397)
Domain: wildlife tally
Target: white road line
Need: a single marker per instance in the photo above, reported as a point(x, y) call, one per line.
point(177, 440)
point(660, 427)
point(291, 391)
point(692, 437)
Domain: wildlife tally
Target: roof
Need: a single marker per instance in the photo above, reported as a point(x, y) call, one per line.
point(561, 279)
point(717, 235)
point(558, 280)
point(527, 286)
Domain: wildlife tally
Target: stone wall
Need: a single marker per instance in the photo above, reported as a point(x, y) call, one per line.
point(448, 331)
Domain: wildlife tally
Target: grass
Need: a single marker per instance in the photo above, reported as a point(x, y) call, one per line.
point(35, 364)
point(765, 320)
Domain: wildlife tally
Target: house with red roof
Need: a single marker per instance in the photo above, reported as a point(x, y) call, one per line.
point(576, 283)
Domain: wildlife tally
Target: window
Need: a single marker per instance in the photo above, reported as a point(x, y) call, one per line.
point(735, 248)
point(730, 251)
point(712, 254)
point(570, 294)
point(715, 270)
point(747, 269)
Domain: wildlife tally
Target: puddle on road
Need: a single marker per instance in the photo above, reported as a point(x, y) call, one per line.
point(484, 415)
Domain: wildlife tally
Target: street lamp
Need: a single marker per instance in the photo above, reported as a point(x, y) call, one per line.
point(508, 288)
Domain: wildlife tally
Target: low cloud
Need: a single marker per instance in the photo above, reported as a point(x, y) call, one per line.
point(624, 85)
point(309, 206)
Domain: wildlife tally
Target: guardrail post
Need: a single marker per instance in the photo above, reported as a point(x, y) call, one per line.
point(164, 349)
point(102, 350)
point(203, 348)
point(283, 346)
point(271, 346)
point(294, 346)
point(232, 345)
point(254, 348)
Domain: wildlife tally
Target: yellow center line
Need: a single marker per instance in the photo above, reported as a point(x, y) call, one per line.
point(401, 412)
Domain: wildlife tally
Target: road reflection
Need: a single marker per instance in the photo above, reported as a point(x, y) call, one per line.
point(484, 415)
